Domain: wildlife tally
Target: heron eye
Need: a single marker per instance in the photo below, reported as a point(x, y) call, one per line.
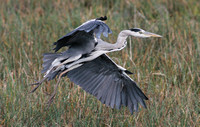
point(140, 32)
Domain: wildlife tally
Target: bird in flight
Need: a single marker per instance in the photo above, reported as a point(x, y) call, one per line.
point(86, 63)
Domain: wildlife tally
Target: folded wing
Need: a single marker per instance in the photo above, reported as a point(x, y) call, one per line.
point(91, 27)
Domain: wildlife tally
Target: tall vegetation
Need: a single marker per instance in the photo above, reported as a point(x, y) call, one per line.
point(167, 69)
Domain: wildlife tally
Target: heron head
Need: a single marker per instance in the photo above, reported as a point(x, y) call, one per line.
point(137, 32)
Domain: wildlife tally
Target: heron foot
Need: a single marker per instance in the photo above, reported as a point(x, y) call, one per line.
point(37, 84)
point(49, 102)
point(33, 84)
point(35, 88)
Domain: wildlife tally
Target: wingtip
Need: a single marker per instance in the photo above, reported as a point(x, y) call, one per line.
point(55, 49)
point(55, 43)
point(128, 72)
point(146, 98)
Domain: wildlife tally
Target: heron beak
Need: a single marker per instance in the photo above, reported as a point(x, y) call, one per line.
point(149, 34)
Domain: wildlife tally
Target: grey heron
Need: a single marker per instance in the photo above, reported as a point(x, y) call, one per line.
point(86, 64)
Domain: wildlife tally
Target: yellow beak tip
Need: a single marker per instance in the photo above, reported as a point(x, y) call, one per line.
point(155, 35)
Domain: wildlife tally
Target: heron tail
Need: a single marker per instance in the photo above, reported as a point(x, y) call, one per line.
point(48, 58)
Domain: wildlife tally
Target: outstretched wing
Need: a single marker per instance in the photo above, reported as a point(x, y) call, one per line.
point(90, 27)
point(110, 84)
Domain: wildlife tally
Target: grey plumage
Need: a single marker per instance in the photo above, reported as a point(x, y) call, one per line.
point(90, 27)
point(114, 89)
point(48, 58)
point(86, 64)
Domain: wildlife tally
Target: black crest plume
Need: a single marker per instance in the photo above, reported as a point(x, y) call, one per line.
point(102, 18)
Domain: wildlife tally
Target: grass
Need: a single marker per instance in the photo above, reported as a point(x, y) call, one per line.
point(167, 69)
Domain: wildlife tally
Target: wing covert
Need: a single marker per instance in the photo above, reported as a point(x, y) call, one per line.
point(91, 27)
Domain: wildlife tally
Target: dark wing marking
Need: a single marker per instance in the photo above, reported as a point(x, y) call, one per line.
point(103, 79)
point(92, 26)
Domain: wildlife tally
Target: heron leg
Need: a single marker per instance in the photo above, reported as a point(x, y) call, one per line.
point(53, 94)
point(55, 89)
point(40, 82)
point(70, 59)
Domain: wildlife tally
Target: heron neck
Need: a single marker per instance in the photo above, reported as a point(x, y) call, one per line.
point(120, 44)
point(121, 40)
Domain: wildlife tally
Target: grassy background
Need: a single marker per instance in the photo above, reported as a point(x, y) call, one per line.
point(167, 69)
